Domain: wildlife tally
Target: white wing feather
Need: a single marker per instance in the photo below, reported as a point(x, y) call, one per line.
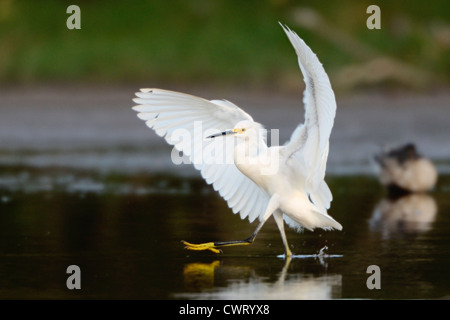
point(167, 111)
point(307, 150)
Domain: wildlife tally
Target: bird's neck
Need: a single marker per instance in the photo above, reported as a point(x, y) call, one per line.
point(250, 146)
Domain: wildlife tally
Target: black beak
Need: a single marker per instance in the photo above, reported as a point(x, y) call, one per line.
point(223, 133)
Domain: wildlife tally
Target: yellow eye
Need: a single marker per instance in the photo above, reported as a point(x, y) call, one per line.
point(243, 129)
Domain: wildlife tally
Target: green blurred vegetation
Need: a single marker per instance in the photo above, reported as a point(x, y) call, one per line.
point(223, 42)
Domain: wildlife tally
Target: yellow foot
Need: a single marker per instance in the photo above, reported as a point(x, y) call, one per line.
point(288, 253)
point(201, 246)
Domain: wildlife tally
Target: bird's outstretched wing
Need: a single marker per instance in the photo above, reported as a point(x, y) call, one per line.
point(185, 121)
point(307, 149)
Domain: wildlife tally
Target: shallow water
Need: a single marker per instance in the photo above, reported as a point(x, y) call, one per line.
point(124, 233)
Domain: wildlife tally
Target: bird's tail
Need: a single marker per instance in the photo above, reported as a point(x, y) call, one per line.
point(314, 219)
point(323, 221)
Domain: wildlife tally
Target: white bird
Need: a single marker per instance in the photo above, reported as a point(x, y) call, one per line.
point(286, 182)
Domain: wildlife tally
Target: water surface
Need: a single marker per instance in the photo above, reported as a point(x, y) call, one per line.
point(124, 233)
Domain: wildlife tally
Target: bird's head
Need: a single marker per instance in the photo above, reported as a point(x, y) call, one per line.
point(242, 129)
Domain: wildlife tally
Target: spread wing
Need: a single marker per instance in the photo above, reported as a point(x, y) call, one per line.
point(184, 121)
point(307, 150)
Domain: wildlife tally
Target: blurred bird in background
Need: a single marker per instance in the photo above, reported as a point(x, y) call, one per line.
point(404, 170)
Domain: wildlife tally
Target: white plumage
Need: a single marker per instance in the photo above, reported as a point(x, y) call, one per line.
point(167, 111)
point(256, 180)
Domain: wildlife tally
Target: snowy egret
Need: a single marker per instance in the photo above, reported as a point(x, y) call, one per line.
point(295, 192)
point(403, 169)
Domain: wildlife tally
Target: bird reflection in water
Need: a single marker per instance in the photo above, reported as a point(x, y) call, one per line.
point(409, 214)
point(407, 209)
point(200, 275)
point(243, 282)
